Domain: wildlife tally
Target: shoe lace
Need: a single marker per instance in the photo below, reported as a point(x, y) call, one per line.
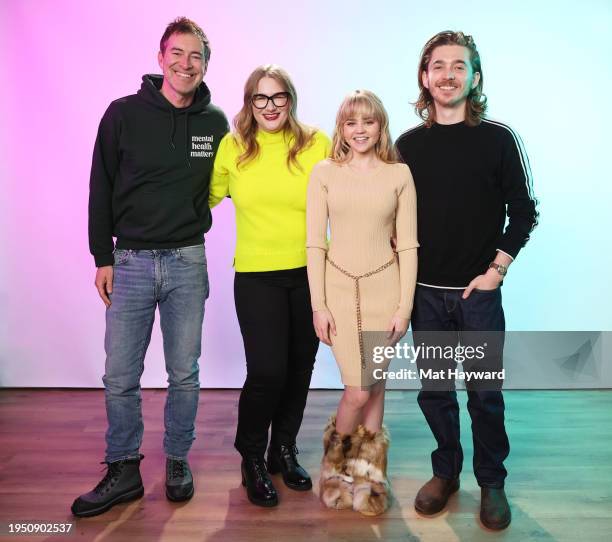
point(290, 453)
point(177, 469)
point(260, 469)
point(112, 471)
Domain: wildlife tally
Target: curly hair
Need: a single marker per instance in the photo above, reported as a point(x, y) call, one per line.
point(476, 105)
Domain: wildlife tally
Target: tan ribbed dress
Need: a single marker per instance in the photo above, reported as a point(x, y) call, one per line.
point(356, 273)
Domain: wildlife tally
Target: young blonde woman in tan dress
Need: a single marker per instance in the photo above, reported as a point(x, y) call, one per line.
point(359, 284)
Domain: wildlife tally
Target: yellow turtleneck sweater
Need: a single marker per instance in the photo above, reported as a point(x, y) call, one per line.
point(270, 199)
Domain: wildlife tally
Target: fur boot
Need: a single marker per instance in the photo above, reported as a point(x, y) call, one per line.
point(335, 484)
point(371, 488)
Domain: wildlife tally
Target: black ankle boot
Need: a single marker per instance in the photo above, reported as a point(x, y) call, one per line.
point(259, 487)
point(179, 480)
point(121, 483)
point(283, 459)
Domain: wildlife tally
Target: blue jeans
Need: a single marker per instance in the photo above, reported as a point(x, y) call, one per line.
point(479, 317)
point(176, 280)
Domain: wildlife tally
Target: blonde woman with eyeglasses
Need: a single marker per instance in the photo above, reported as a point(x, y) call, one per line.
point(264, 165)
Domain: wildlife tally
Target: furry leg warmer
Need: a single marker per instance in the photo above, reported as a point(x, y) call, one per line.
point(371, 488)
point(335, 484)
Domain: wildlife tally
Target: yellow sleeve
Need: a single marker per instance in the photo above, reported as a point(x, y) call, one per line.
point(219, 180)
point(316, 239)
point(407, 243)
point(326, 144)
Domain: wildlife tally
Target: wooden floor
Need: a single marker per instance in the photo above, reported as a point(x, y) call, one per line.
point(560, 482)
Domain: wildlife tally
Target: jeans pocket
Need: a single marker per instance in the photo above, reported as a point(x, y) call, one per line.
point(193, 255)
point(483, 310)
point(121, 256)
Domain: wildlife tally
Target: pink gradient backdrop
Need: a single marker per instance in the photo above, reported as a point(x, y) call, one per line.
point(64, 61)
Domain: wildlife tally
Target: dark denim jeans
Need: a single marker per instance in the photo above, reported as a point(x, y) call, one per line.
point(453, 318)
point(176, 281)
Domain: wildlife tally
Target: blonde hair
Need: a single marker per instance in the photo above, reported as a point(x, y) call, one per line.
point(476, 104)
point(367, 104)
point(246, 126)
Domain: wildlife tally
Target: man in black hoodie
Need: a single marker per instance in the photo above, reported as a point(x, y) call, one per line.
point(149, 188)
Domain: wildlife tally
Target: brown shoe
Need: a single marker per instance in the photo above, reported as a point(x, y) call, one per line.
point(494, 509)
point(433, 496)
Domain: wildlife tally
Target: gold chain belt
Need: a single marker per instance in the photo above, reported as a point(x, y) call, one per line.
point(356, 279)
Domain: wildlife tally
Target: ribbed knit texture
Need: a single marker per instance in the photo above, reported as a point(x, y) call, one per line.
point(364, 211)
point(270, 199)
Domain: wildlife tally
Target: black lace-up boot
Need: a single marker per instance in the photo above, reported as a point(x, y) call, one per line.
point(283, 459)
point(121, 483)
point(259, 487)
point(179, 480)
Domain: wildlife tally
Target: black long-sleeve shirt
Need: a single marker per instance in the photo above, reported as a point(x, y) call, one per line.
point(150, 172)
point(468, 179)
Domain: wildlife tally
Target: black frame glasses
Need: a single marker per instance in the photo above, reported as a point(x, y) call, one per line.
point(280, 99)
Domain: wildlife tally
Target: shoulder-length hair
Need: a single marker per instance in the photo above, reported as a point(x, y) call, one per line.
point(245, 125)
point(476, 105)
point(367, 104)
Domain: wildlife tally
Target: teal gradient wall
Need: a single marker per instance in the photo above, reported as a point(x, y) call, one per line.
point(546, 72)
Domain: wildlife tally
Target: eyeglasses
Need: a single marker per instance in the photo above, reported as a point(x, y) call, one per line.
point(260, 101)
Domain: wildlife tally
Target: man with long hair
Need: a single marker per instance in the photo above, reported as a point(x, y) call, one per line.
point(470, 174)
point(150, 174)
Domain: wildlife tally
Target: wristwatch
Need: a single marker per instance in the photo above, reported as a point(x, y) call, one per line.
point(501, 269)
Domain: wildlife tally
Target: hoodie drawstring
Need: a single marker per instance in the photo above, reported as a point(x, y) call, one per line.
point(172, 127)
point(187, 139)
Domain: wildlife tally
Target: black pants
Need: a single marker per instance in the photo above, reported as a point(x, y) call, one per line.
point(442, 317)
point(280, 345)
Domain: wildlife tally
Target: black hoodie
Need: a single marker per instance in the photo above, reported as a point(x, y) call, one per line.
point(150, 172)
